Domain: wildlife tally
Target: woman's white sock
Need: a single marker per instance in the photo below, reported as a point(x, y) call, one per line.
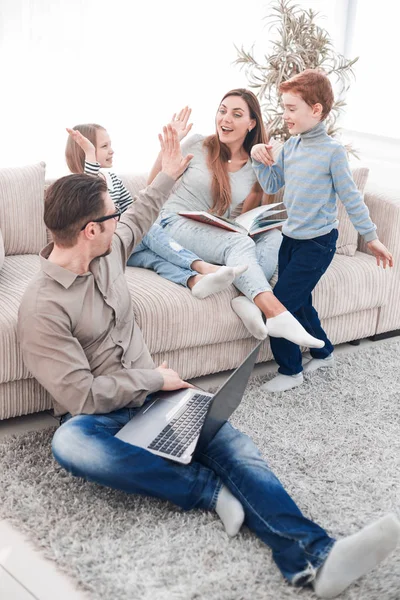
point(286, 326)
point(251, 316)
point(212, 283)
point(355, 555)
point(230, 511)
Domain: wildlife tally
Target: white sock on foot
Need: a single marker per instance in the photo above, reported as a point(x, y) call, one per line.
point(319, 363)
point(251, 316)
point(282, 383)
point(286, 326)
point(355, 555)
point(212, 283)
point(230, 511)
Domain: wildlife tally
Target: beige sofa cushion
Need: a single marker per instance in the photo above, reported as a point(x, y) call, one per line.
point(1, 251)
point(21, 209)
point(134, 183)
point(352, 284)
point(172, 319)
point(14, 278)
point(348, 236)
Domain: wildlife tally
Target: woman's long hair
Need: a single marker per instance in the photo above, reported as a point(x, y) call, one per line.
point(74, 155)
point(218, 153)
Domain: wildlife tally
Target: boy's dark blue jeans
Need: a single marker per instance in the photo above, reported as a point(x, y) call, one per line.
point(301, 265)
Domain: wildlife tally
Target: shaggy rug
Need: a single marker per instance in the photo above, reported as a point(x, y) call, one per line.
point(334, 443)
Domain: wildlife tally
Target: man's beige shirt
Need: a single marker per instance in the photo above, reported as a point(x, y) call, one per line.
point(78, 333)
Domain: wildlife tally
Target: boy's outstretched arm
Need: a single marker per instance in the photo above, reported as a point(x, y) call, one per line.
point(270, 174)
point(355, 206)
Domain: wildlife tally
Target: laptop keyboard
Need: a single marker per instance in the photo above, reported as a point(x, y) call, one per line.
point(180, 432)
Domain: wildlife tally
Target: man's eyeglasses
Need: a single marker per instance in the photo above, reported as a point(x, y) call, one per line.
point(116, 216)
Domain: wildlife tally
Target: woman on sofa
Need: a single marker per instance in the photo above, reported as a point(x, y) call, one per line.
point(89, 150)
point(220, 179)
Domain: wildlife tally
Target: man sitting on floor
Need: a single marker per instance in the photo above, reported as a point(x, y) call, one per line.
point(79, 339)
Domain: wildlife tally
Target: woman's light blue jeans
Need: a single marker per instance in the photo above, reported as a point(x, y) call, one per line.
point(221, 247)
point(86, 447)
point(159, 252)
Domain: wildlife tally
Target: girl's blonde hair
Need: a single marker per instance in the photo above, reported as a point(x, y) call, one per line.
point(74, 155)
point(218, 154)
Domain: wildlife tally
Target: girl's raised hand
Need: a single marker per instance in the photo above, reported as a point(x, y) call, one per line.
point(84, 143)
point(179, 122)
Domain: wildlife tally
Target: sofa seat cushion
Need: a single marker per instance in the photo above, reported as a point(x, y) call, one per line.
point(171, 318)
point(352, 284)
point(17, 272)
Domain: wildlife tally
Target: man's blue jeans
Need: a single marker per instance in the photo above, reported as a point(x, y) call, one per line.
point(159, 252)
point(85, 446)
point(301, 265)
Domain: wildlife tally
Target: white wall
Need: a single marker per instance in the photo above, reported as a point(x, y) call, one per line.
point(129, 65)
point(372, 100)
point(126, 65)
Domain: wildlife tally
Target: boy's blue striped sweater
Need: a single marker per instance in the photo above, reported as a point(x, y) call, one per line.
point(313, 167)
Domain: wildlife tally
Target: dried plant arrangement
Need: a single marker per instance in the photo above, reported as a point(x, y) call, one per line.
point(298, 43)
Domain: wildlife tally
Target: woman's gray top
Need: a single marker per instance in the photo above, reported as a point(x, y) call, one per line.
point(193, 191)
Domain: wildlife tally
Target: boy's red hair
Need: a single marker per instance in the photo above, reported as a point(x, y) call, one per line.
point(313, 86)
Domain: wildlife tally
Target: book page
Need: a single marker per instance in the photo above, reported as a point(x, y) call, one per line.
point(267, 226)
point(209, 219)
point(247, 219)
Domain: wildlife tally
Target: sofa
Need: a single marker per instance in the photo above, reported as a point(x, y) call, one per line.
point(354, 298)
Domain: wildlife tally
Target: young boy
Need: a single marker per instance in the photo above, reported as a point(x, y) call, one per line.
point(313, 167)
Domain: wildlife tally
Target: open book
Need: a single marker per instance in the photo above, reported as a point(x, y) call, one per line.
point(252, 222)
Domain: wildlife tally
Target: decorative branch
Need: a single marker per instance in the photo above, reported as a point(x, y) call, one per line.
point(299, 44)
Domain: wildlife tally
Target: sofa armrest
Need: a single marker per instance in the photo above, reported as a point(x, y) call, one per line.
point(384, 208)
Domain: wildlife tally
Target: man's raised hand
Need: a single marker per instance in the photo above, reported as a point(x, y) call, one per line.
point(172, 161)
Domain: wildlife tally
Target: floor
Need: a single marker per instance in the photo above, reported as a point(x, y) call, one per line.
point(24, 573)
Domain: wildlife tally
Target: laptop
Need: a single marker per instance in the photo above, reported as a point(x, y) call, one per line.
point(177, 425)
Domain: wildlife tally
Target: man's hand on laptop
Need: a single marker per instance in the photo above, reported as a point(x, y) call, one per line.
point(172, 381)
point(172, 161)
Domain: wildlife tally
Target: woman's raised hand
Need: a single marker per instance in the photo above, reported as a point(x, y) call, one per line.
point(262, 153)
point(84, 143)
point(179, 122)
point(173, 163)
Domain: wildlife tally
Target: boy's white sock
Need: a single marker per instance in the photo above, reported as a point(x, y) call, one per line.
point(319, 363)
point(230, 511)
point(282, 383)
point(355, 555)
point(286, 326)
point(251, 316)
point(212, 283)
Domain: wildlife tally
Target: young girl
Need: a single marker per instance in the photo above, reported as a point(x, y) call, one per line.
point(89, 150)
